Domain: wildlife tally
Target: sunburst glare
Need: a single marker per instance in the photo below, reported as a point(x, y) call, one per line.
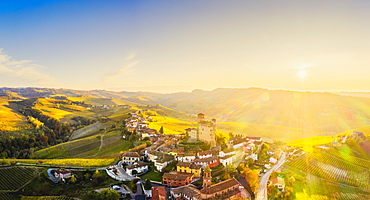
point(302, 74)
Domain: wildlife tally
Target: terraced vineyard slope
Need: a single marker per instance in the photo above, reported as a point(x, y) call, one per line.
point(334, 173)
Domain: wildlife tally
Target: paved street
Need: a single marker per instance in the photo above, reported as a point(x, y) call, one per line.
point(262, 191)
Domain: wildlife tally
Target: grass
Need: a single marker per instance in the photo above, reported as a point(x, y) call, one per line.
point(153, 174)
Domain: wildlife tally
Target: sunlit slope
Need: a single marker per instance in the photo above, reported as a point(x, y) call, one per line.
point(10, 119)
point(335, 173)
point(101, 145)
point(309, 113)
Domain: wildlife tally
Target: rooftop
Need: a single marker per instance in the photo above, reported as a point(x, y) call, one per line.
point(179, 176)
point(221, 186)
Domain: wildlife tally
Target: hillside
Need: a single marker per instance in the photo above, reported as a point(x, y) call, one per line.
point(275, 114)
point(335, 173)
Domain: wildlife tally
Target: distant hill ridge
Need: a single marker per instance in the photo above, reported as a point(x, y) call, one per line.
point(290, 114)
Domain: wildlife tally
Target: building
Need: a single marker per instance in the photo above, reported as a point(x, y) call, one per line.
point(130, 157)
point(60, 173)
point(278, 182)
point(206, 130)
point(189, 168)
point(213, 161)
point(226, 160)
point(177, 178)
point(185, 157)
point(159, 193)
point(139, 167)
point(192, 132)
point(228, 189)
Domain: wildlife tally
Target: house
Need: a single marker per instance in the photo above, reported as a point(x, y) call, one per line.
point(226, 152)
point(130, 157)
point(358, 135)
point(278, 182)
point(139, 167)
point(213, 161)
point(161, 162)
point(188, 192)
point(226, 160)
point(159, 193)
point(205, 154)
point(60, 173)
point(175, 178)
point(239, 145)
point(272, 160)
point(255, 140)
point(189, 168)
point(160, 159)
point(185, 157)
point(228, 189)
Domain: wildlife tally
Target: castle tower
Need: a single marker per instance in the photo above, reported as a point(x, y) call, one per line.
point(207, 177)
point(206, 130)
point(200, 117)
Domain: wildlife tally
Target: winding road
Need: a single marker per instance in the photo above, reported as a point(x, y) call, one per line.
point(262, 191)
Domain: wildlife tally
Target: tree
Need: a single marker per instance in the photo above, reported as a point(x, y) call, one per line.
point(109, 194)
point(73, 179)
point(161, 131)
point(87, 176)
point(226, 176)
point(148, 184)
point(252, 177)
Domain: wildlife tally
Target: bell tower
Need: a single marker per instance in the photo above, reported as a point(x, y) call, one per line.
point(207, 177)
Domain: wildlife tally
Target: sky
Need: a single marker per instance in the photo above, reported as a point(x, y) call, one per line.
point(171, 46)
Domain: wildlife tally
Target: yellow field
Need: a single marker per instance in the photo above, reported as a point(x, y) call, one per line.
point(170, 125)
point(10, 120)
point(77, 162)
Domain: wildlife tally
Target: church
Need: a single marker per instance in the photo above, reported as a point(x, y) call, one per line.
point(228, 189)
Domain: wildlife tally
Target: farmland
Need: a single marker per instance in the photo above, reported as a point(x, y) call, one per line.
point(109, 144)
point(14, 178)
point(333, 173)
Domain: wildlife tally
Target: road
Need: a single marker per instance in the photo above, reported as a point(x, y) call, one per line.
point(262, 191)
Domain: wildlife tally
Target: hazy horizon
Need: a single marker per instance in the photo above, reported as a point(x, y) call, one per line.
point(179, 46)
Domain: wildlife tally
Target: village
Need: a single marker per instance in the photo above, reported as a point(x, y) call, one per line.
point(194, 165)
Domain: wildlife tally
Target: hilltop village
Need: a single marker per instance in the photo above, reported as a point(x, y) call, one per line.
point(193, 165)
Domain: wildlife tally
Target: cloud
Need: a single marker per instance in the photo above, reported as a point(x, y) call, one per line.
point(124, 69)
point(25, 70)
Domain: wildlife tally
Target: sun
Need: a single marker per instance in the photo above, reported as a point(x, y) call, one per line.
point(302, 74)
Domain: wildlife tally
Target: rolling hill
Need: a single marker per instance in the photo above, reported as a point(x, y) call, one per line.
point(275, 114)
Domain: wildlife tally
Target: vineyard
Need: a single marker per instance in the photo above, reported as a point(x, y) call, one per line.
point(45, 198)
point(14, 178)
point(335, 174)
point(8, 196)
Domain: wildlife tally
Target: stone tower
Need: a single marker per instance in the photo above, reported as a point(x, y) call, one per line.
point(206, 130)
point(207, 178)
